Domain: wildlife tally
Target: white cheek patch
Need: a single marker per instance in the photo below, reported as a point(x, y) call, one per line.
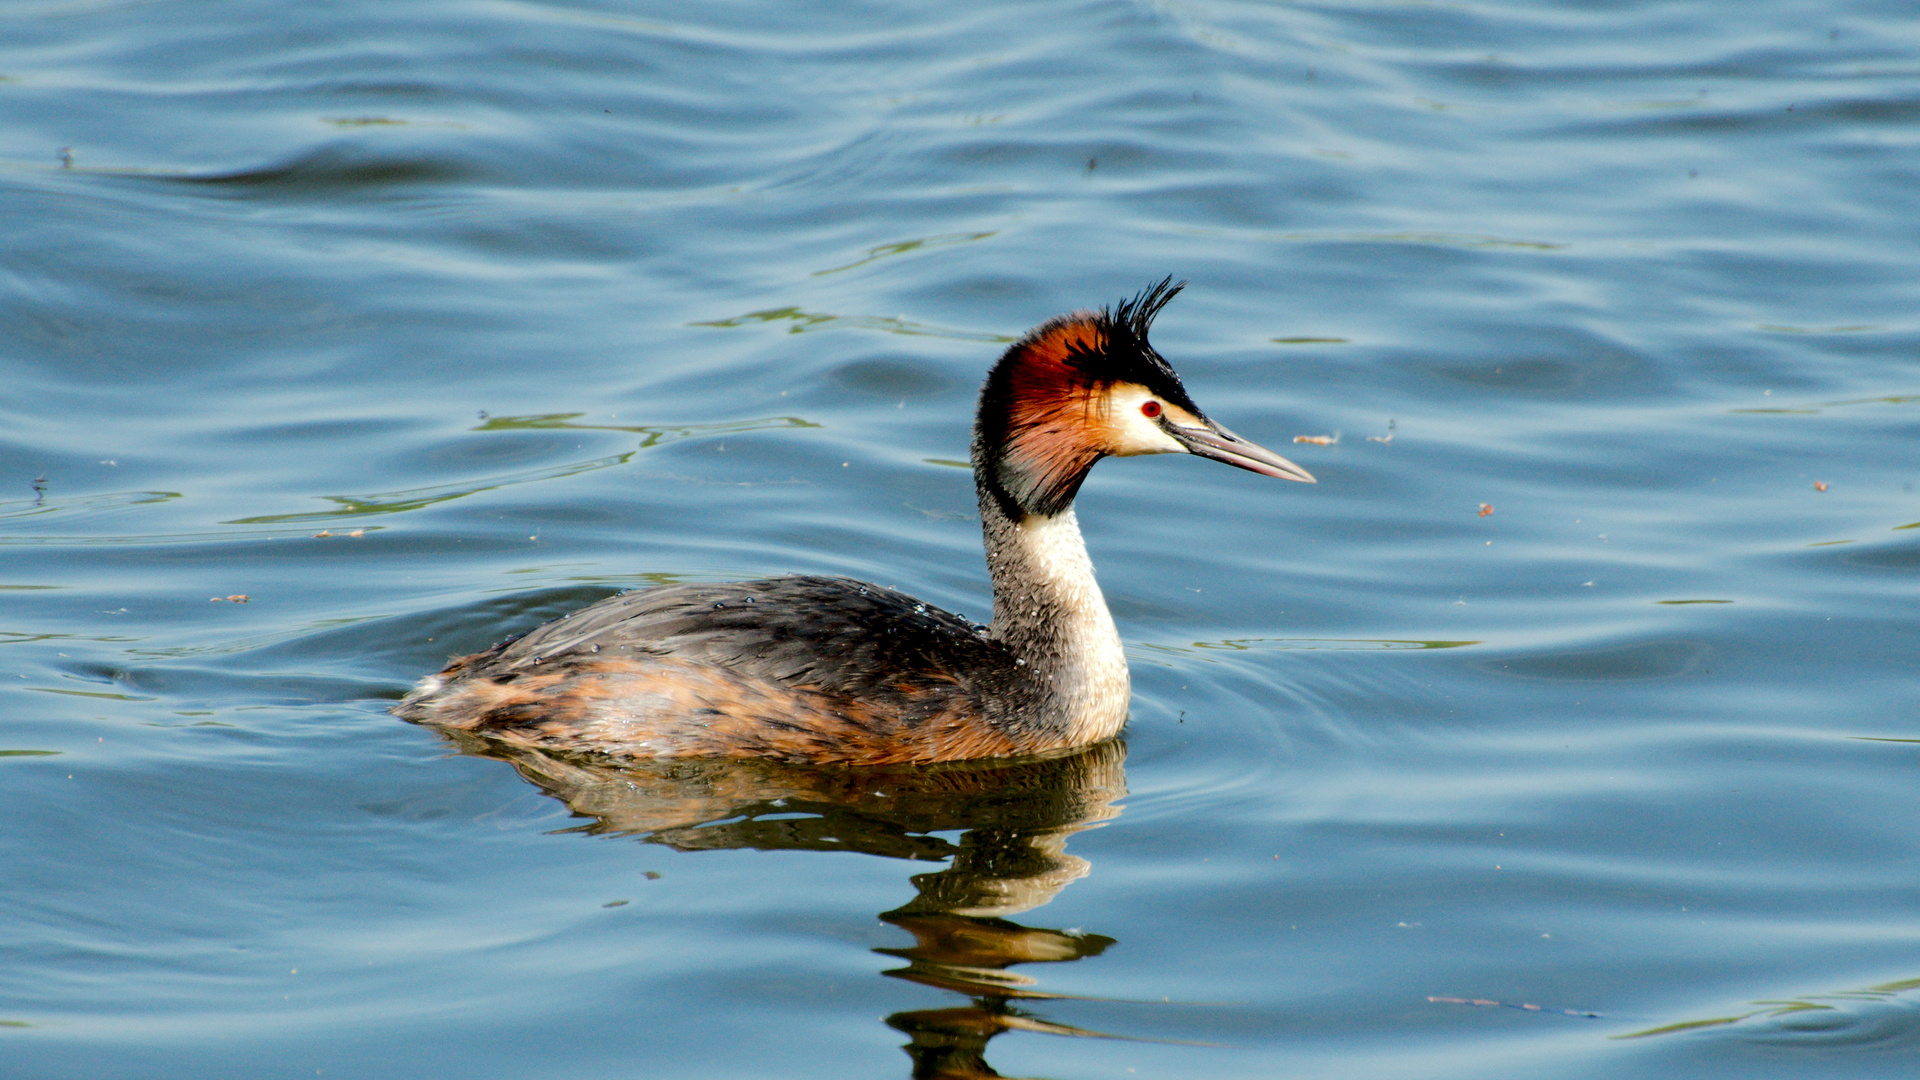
point(1131, 432)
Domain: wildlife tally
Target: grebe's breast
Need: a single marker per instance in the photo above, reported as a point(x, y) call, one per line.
point(802, 668)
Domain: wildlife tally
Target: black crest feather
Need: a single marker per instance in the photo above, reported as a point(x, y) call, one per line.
point(1134, 317)
point(1129, 356)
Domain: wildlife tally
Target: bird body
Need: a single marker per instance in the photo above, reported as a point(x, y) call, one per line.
point(832, 670)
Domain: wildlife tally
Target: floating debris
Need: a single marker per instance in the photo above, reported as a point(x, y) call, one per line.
point(1484, 1002)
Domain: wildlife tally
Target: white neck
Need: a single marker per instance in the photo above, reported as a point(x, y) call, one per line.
point(1048, 609)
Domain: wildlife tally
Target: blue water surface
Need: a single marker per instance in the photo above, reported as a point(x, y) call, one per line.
point(1564, 729)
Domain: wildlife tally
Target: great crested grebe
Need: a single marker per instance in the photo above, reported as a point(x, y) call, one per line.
point(830, 670)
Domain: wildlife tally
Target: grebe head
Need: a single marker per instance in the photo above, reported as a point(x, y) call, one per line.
point(1086, 386)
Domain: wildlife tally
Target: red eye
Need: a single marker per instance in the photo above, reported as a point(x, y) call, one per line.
point(1150, 410)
